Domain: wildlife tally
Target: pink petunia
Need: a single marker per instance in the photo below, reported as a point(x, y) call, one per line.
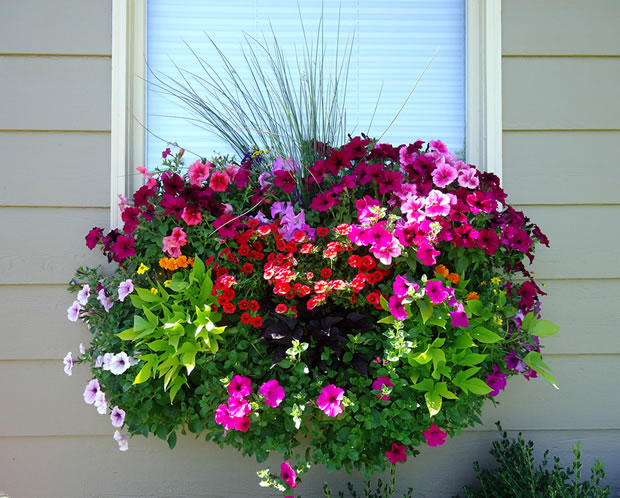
point(191, 216)
point(467, 178)
point(198, 172)
point(174, 242)
point(329, 400)
point(435, 436)
point(273, 392)
point(219, 181)
point(241, 423)
point(223, 418)
point(427, 254)
point(378, 384)
point(322, 202)
point(398, 453)
point(443, 175)
point(386, 252)
point(459, 317)
point(288, 475)
point(436, 291)
point(240, 385)
point(238, 406)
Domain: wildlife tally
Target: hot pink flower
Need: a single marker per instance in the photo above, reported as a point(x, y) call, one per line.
point(329, 400)
point(198, 172)
point(386, 252)
point(238, 406)
point(398, 453)
point(467, 178)
point(459, 317)
point(191, 216)
point(402, 286)
point(427, 254)
point(223, 418)
point(397, 308)
point(443, 175)
point(378, 383)
point(273, 392)
point(438, 204)
point(435, 436)
point(219, 181)
point(436, 291)
point(242, 423)
point(322, 202)
point(288, 475)
point(241, 385)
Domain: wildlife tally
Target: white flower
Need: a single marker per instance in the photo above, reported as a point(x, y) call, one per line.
point(122, 441)
point(101, 403)
point(119, 363)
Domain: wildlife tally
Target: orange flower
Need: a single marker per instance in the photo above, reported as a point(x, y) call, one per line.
point(472, 296)
point(182, 261)
point(454, 278)
point(442, 270)
point(163, 262)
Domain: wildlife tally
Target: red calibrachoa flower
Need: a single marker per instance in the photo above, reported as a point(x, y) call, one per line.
point(246, 318)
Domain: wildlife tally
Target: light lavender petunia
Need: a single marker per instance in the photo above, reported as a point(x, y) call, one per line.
point(73, 312)
point(101, 403)
point(124, 289)
point(105, 361)
point(68, 362)
point(82, 349)
point(122, 441)
point(83, 295)
point(90, 393)
point(117, 417)
point(99, 361)
point(105, 300)
point(119, 363)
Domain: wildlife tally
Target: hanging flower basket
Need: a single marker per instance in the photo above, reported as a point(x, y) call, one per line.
point(363, 303)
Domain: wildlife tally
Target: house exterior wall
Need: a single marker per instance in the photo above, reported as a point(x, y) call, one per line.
point(561, 136)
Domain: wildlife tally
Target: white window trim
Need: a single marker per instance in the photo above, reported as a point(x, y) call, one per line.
point(483, 79)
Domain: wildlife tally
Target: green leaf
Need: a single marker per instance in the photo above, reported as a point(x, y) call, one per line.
point(420, 358)
point(148, 296)
point(144, 374)
point(441, 388)
point(433, 403)
point(176, 384)
point(544, 328)
point(188, 360)
point(127, 335)
point(158, 346)
point(461, 264)
point(412, 261)
point(437, 343)
point(384, 303)
point(426, 309)
point(425, 385)
point(464, 341)
point(483, 334)
point(199, 269)
point(474, 306)
point(477, 386)
point(388, 319)
point(178, 282)
point(472, 359)
point(205, 289)
point(528, 322)
point(534, 360)
point(151, 318)
point(439, 322)
point(438, 356)
point(172, 440)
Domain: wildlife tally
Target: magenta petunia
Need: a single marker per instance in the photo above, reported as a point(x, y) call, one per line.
point(467, 178)
point(378, 384)
point(273, 393)
point(241, 423)
point(223, 418)
point(459, 317)
point(398, 453)
point(386, 252)
point(123, 248)
point(240, 385)
point(443, 175)
point(329, 400)
point(402, 286)
point(436, 291)
point(427, 254)
point(94, 237)
point(238, 406)
point(322, 202)
point(435, 436)
point(397, 308)
point(288, 475)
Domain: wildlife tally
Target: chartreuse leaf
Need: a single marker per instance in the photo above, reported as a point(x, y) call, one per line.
point(178, 282)
point(158, 345)
point(477, 386)
point(438, 357)
point(144, 374)
point(151, 318)
point(426, 309)
point(441, 388)
point(148, 296)
point(175, 385)
point(384, 303)
point(420, 358)
point(425, 385)
point(528, 322)
point(461, 378)
point(544, 328)
point(199, 269)
point(433, 403)
point(388, 319)
point(534, 360)
point(127, 335)
point(485, 335)
point(471, 359)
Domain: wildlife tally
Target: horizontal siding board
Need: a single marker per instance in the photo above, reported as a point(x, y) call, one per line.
point(72, 169)
point(47, 244)
point(588, 313)
point(584, 241)
point(83, 26)
point(586, 310)
point(561, 93)
point(558, 168)
point(44, 331)
point(55, 93)
point(197, 469)
point(560, 27)
point(39, 385)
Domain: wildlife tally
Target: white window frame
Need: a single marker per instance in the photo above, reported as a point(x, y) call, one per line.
point(483, 92)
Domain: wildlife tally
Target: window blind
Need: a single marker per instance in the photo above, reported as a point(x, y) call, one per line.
point(392, 42)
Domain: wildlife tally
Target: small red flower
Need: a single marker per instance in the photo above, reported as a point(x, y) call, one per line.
point(306, 248)
point(281, 308)
point(247, 268)
point(253, 223)
point(355, 261)
point(244, 250)
point(244, 304)
point(322, 231)
point(257, 321)
point(229, 308)
point(326, 272)
point(254, 306)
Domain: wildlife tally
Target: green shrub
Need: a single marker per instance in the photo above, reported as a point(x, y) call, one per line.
point(518, 476)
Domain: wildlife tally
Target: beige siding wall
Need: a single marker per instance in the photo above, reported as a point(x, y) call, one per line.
point(561, 121)
point(561, 137)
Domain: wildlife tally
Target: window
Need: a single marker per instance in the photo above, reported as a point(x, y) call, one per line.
point(394, 41)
